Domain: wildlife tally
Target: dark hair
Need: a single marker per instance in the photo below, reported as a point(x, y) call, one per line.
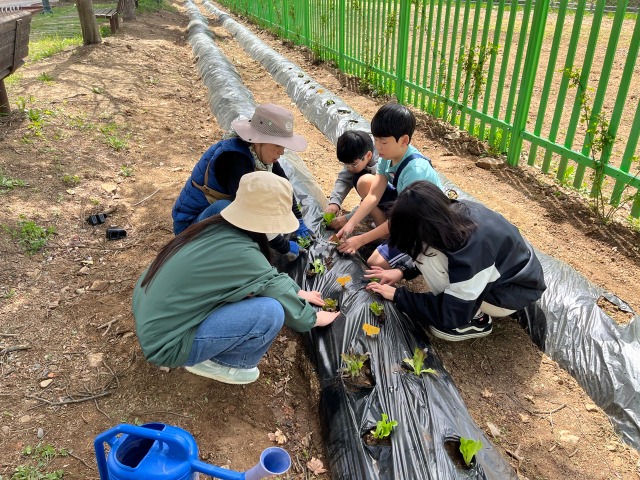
point(423, 216)
point(193, 232)
point(353, 144)
point(393, 120)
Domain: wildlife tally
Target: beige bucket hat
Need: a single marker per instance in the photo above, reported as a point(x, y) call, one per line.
point(262, 204)
point(270, 124)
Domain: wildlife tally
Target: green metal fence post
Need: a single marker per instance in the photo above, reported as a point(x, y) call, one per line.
point(528, 79)
point(403, 45)
point(341, 32)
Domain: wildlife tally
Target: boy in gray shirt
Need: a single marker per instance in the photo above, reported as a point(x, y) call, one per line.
point(355, 149)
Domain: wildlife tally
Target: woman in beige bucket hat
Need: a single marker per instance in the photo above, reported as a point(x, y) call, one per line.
point(254, 144)
point(212, 301)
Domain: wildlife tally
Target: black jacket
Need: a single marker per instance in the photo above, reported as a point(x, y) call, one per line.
point(496, 265)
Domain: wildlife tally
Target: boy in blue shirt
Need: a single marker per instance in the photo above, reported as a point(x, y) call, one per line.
point(355, 150)
point(400, 165)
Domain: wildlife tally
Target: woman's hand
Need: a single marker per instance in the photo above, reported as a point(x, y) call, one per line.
point(325, 318)
point(350, 245)
point(338, 222)
point(333, 208)
point(386, 291)
point(313, 297)
point(387, 277)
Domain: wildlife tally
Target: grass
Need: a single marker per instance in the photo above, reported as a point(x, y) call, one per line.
point(31, 237)
point(60, 30)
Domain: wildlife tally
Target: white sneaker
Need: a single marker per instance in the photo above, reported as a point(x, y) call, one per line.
point(224, 374)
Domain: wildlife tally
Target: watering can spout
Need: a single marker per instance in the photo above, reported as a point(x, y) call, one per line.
point(156, 451)
point(273, 461)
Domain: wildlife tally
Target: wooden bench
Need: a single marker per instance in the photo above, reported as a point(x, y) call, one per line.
point(113, 14)
point(14, 47)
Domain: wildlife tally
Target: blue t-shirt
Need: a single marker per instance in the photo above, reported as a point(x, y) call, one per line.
point(418, 169)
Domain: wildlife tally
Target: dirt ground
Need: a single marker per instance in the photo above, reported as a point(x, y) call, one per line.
point(120, 127)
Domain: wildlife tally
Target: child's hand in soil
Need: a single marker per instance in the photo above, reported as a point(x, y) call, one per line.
point(385, 291)
point(387, 277)
point(325, 318)
point(350, 245)
point(313, 297)
point(338, 222)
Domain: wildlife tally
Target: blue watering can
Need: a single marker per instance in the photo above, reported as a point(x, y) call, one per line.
point(155, 451)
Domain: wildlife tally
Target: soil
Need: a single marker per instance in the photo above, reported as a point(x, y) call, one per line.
point(123, 124)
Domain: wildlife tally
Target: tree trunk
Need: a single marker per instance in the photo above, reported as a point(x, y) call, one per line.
point(88, 23)
point(129, 10)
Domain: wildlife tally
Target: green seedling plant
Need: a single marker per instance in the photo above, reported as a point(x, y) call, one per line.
point(354, 363)
point(317, 267)
point(330, 305)
point(417, 363)
point(8, 183)
point(469, 448)
point(30, 236)
point(41, 455)
point(126, 171)
point(376, 308)
point(383, 427)
point(304, 242)
point(70, 180)
point(327, 218)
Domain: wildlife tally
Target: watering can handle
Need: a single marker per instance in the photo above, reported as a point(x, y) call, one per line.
point(110, 437)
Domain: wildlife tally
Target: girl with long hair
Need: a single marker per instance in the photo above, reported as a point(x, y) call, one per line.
point(475, 263)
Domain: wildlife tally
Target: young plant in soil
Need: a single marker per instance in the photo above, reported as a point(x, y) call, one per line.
point(379, 436)
point(317, 268)
point(327, 218)
point(378, 310)
point(356, 371)
point(469, 448)
point(417, 363)
point(330, 305)
point(354, 363)
point(304, 242)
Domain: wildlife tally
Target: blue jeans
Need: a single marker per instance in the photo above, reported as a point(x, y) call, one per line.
point(238, 334)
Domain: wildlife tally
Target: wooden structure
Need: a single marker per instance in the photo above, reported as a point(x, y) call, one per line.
point(14, 47)
point(113, 14)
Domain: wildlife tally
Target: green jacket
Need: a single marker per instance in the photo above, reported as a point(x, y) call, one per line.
point(223, 265)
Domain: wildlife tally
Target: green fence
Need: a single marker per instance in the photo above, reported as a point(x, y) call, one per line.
point(557, 87)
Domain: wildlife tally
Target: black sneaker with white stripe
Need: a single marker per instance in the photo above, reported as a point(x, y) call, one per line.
point(480, 326)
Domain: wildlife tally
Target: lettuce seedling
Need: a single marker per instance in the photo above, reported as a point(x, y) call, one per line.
point(383, 428)
point(469, 448)
point(304, 242)
point(327, 218)
point(354, 362)
point(376, 308)
point(330, 305)
point(317, 266)
point(417, 362)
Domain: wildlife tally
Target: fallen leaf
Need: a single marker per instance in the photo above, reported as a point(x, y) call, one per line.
point(316, 466)
point(486, 393)
point(343, 280)
point(530, 398)
point(524, 417)
point(370, 330)
point(495, 431)
point(277, 437)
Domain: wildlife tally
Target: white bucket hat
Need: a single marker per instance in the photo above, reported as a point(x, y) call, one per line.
point(270, 124)
point(262, 204)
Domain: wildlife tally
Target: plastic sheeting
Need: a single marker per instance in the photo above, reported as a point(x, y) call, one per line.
point(428, 409)
point(566, 323)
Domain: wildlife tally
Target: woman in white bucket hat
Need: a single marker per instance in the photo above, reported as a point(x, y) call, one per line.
point(212, 301)
point(254, 144)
